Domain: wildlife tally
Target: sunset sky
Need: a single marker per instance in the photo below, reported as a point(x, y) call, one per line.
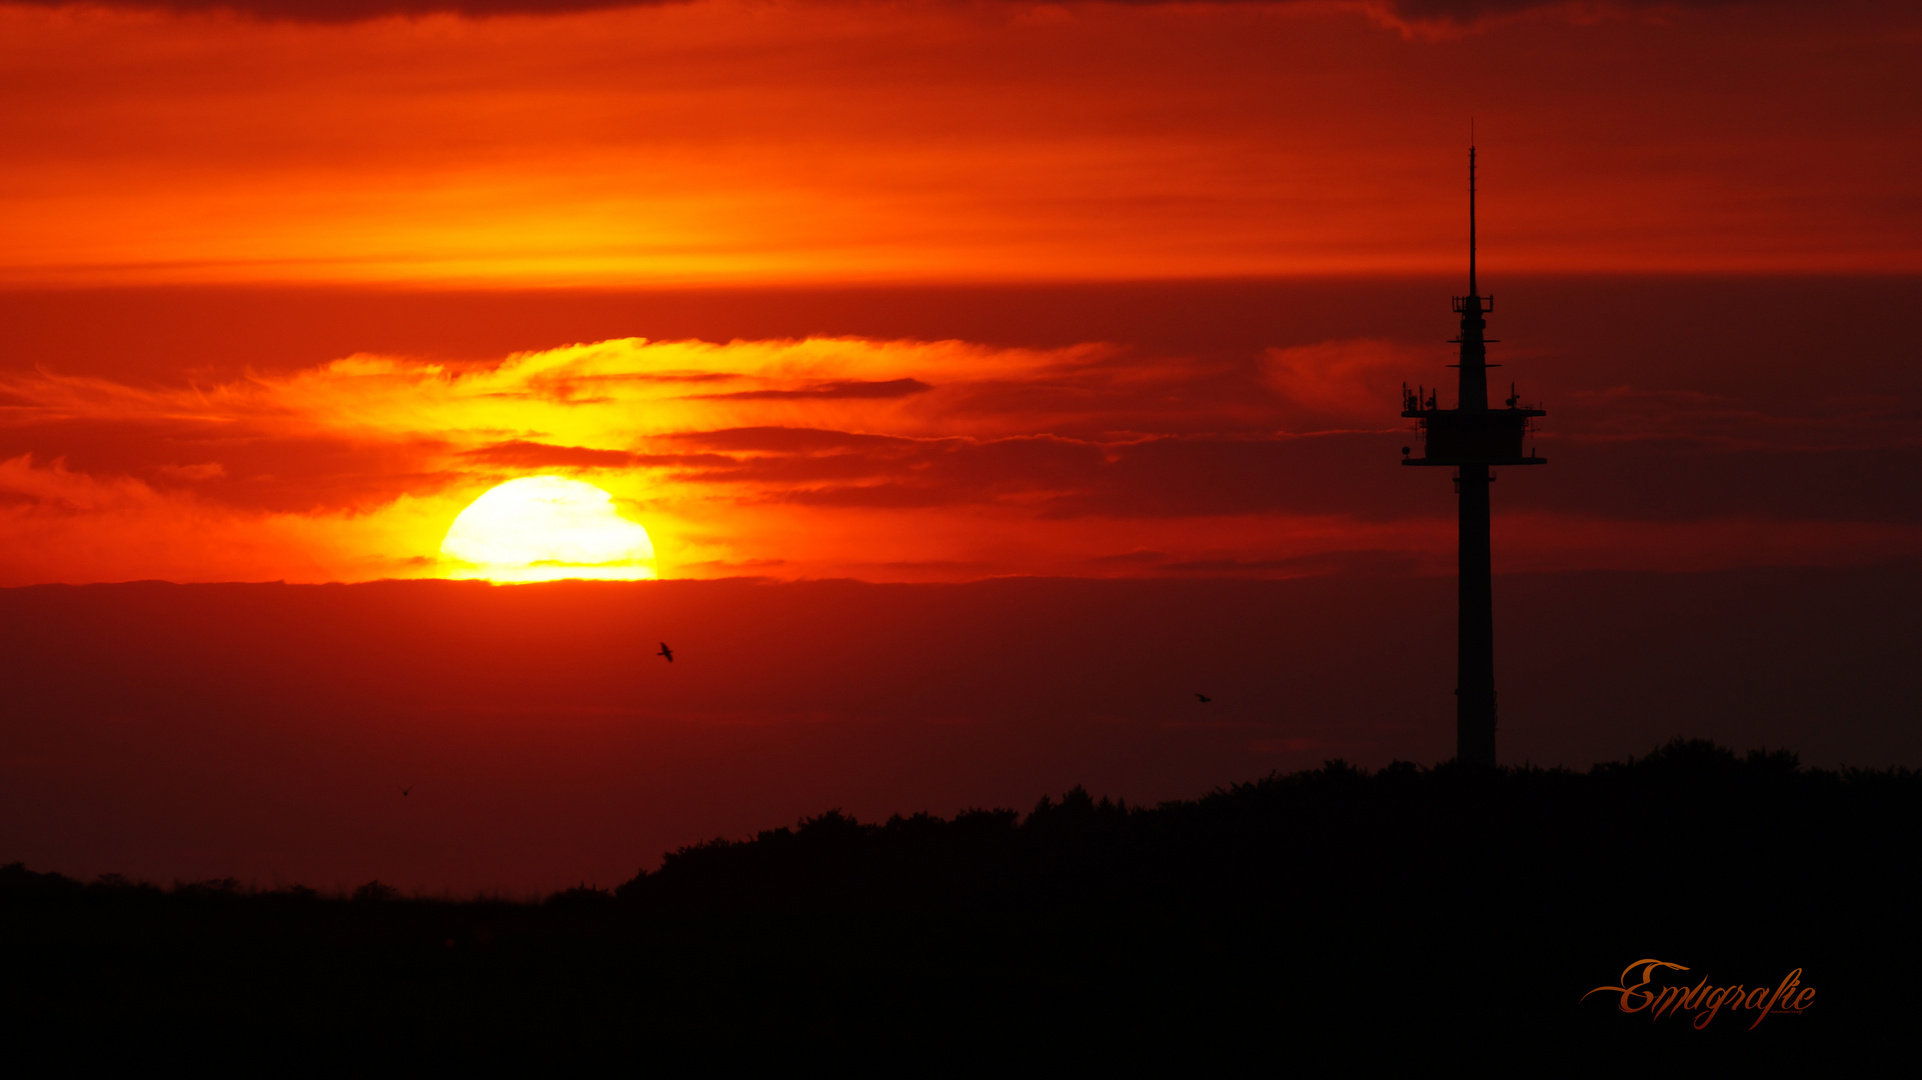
point(180, 177)
point(951, 292)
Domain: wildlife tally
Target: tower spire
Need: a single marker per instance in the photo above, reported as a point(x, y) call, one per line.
point(1471, 212)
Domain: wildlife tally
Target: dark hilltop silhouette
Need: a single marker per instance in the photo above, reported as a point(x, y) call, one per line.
point(1322, 917)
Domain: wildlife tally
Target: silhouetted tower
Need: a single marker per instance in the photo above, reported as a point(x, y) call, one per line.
point(1472, 438)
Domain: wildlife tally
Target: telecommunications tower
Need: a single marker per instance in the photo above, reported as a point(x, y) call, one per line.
point(1472, 438)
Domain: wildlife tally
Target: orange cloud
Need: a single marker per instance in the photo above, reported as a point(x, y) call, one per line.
point(356, 468)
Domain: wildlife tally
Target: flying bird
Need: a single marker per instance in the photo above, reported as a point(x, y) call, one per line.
point(404, 791)
point(1203, 698)
point(667, 652)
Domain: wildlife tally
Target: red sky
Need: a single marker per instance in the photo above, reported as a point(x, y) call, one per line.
point(932, 292)
point(266, 732)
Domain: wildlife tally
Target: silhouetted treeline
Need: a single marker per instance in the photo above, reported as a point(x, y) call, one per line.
point(1334, 912)
point(1690, 813)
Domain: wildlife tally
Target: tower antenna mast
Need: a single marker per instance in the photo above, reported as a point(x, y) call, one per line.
point(1471, 210)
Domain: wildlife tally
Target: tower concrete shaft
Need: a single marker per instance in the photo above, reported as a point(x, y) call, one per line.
point(1475, 626)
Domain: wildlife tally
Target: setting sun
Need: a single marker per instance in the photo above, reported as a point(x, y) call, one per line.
point(544, 528)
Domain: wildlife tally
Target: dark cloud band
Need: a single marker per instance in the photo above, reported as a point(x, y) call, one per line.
point(344, 11)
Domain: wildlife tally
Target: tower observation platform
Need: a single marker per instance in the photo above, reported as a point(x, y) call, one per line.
point(1473, 438)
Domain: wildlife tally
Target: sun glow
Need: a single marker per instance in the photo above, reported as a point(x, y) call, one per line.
point(545, 528)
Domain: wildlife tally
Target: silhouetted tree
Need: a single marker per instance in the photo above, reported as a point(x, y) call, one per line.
point(375, 892)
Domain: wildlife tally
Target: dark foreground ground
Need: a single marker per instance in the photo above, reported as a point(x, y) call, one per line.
point(1319, 920)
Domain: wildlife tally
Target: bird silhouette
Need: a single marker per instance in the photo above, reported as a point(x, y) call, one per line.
point(667, 652)
point(1203, 698)
point(404, 791)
